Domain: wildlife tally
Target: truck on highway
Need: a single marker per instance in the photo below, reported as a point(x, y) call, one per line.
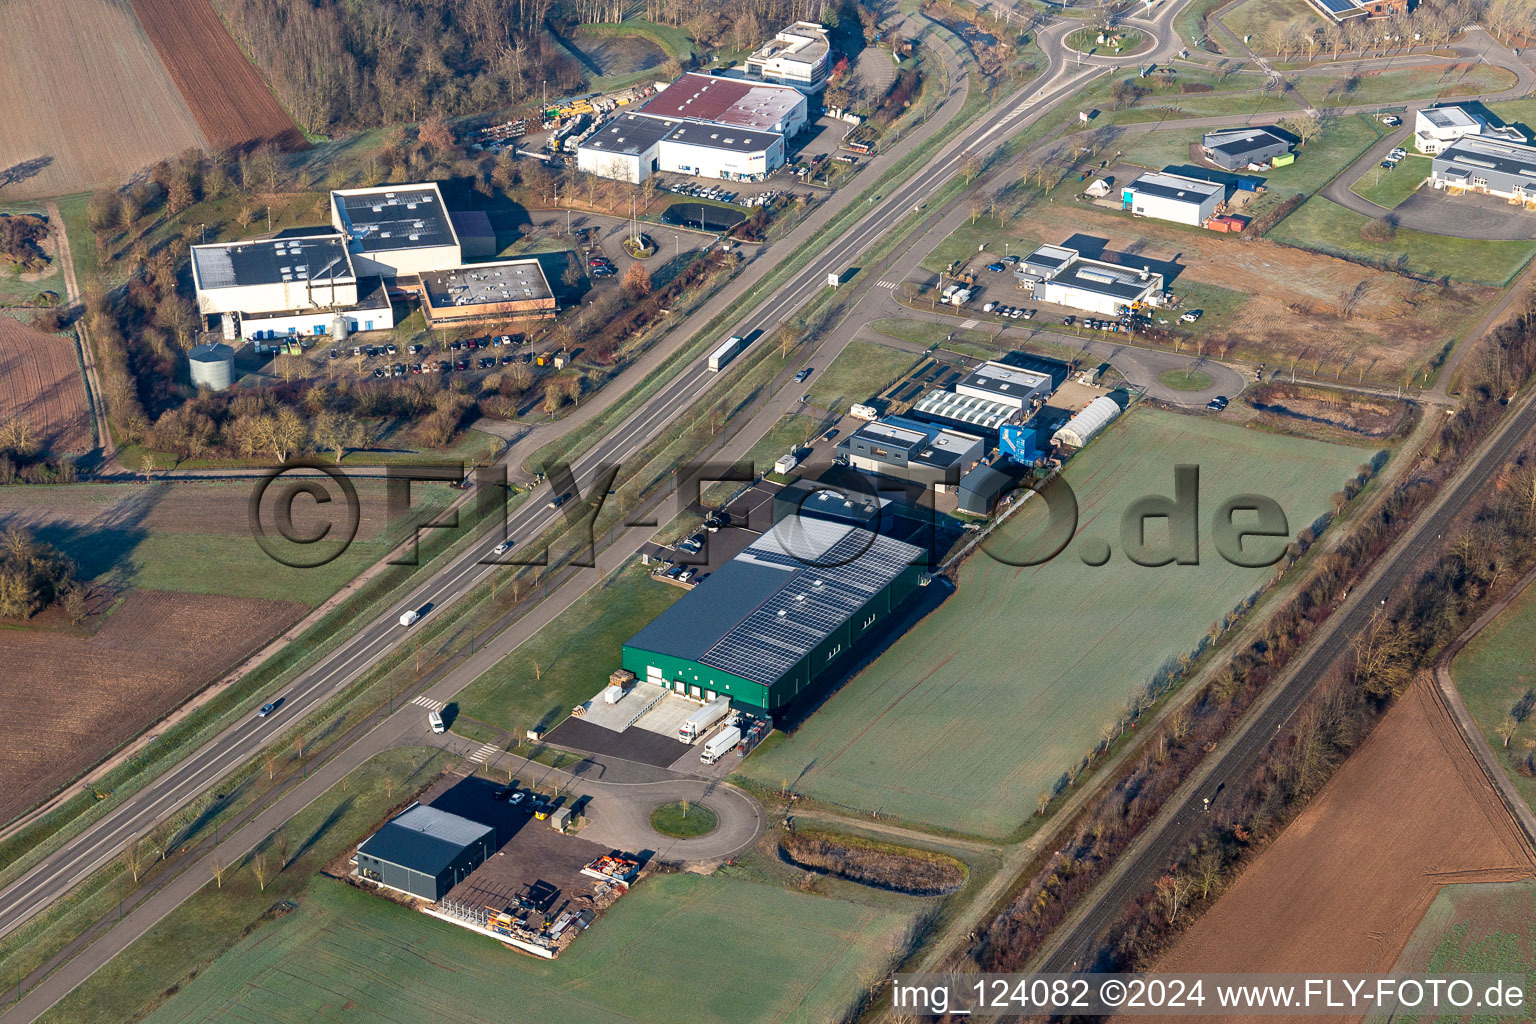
point(698, 723)
point(726, 352)
point(720, 744)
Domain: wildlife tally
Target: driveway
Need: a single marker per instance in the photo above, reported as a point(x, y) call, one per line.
point(621, 796)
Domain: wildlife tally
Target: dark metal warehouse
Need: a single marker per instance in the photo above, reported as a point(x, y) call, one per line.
point(425, 851)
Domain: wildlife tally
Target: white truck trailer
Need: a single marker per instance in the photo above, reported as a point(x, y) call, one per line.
point(726, 352)
point(720, 744)
point(700, 722)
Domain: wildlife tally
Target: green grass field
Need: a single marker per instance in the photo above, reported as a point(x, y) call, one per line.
point(1329, 228)
point(769, 955)
point(1254, 17)
point(1403, 84)
point(1388, 189)
point(861, 371)
point(569, 661)
point(195, 538)
point(1493, 673)
point(984, 231)
point(991, 697)
point(1473, 928)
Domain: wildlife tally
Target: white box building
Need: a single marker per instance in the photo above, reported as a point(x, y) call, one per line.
point(626, 148)
point(396, 230)
point(281, 287)
point(1174, 197)
point(1054, 273)
point(1436, 128)
point(800, 56)
point(721, 151)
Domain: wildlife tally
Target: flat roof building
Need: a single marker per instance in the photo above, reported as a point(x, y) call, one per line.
point(396, 230)
point(1174, 197)
point(1235, 149)
point(721, 151)
point(479, 292)
point(625, 148)
point(769, 625)
point(733, 102)
point(1348, 10)
point(1492, 165)
point(1006, 385)
point(425, 852)
point(307, 272)
point(1435, 128)
point(800, 55)
point(1055, 273)
point(908, 449)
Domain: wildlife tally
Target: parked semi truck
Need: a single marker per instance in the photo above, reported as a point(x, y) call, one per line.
point(726, 352)
point(720, 744)
point(703, 719)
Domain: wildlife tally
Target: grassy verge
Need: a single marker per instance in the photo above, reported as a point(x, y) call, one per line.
point(674, 42)
point(1329, 228)
point(1388, 188)
point(1497, 680)
point(205, 926)
point(568, 661)
point(1189, 379)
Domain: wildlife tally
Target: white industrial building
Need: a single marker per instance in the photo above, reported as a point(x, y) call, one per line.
point(286, 287)
point(396, 230)
point(702, 125)
point(1007, 385)
point(1174, 197)
point(626, 148)
point(1054, 273)
point(800, 56)
point(1493, 166)
point(1436, 128)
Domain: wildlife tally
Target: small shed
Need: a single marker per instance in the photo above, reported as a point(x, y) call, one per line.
point(980, 488)
point(560, 817)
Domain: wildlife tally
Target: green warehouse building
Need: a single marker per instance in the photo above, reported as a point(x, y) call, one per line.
point(768, 625)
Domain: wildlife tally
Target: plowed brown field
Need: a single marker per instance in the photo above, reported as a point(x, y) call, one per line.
point(1344, 886)
point(229, 99)
point(82, 696)
point(40, 381)
point(84, 94)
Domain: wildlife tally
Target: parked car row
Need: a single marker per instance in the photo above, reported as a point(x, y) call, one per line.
point(1010, 312)
point(1393, 158)
point(441, 366)
point(703, 192)
point(763, 198)
point(601, 266)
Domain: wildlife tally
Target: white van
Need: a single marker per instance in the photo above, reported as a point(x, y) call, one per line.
point(410, 617)
point(435, 720)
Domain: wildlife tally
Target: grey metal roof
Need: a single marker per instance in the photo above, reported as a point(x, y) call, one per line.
point(767, 608)
point(479, 283)
point(396, 217)
point(424, 839)
point(630, 134)
point(1177, 187)
point(986, 481)
point(321, 258)
point(1473, 153)
point(1002, 379)
point(1103, 279)
point(722, 136)
point(1236, 144)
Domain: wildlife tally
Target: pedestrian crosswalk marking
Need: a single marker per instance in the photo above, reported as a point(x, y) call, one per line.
point(485, 753)
point(429, 703)
point(969, 324)
point(891, 285)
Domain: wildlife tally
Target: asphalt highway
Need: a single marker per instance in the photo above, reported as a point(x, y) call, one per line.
point(201, 771)
point(1078, 942)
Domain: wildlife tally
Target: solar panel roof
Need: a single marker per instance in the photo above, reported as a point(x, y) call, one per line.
point(396, 217)
point(320, 258)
